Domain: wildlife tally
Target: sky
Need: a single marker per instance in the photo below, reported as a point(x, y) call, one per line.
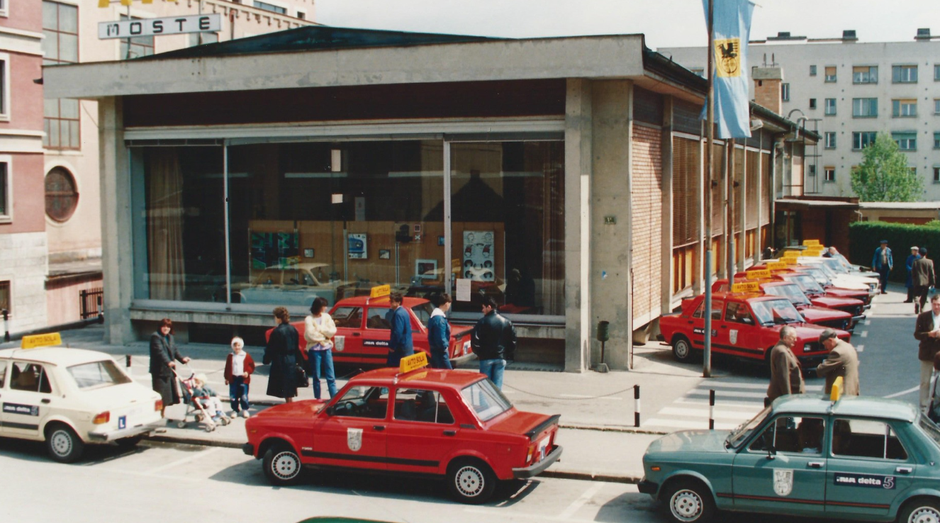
point(666, 23)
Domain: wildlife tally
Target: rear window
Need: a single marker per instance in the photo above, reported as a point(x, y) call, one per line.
point(485, 399)
point(97, 374)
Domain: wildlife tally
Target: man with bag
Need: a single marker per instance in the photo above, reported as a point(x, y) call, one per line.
point(927, 331)
point(923, 278)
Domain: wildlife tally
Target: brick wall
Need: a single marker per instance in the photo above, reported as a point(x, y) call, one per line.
point(647, 221)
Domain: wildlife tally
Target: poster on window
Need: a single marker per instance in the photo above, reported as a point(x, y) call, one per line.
point(356, 244)
point(479, 256)
point(274, 250)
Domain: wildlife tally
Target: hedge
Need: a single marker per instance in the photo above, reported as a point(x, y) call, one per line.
point(865, 237)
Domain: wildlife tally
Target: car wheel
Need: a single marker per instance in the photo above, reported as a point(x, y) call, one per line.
point(281, 465)
point(471, 481)
point(688, 501)
point(63, 444)
point(920, 510)
point(682, 349)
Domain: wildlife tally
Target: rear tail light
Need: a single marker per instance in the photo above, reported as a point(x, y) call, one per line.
point(104, 417)
point(528, 454)
point(158, 405)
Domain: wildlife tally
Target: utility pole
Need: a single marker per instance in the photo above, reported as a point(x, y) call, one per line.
point(710, 100)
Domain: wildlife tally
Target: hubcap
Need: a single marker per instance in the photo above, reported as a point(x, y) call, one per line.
point(682, 349)
point(924, 515)
point(469, 481)
point(285, 466)
point(61, 443)
point(686, 505)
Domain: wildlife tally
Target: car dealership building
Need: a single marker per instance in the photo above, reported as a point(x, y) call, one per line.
point(560, 176)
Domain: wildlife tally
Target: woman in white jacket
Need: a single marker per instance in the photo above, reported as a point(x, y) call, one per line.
point(319, 330)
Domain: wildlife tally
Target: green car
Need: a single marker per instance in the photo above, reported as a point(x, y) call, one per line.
point(856, 458)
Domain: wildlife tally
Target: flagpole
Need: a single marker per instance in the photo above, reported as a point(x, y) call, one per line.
point(710, 100)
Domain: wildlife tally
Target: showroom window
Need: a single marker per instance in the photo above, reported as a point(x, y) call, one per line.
point(61, 194)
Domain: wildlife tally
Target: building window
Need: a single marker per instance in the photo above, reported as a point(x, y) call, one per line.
point(936, 140)
point(6, 190)
point(5, 302)
point(302, 15)
point(907, 141)
point(904, 74)
point(936, 106)
point(270, 7)
point(830, 173)
point(903, 108)
point(61, 195)
point(866, 74)
point(830, 140)
point(936, 174)
point(830, 74)
point(830, 106)
point(812, 70)
point(812, 169)
point(207, 38)
point(4, 86)
point(785, 92)
point(60, 46)
point(3, 8)
point(864, 107)
point(862, 140)
point(140, 46)
point(812, 103)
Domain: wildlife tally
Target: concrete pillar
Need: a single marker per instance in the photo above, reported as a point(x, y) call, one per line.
point(667, 217)
point(116, 214)
point(578, 167)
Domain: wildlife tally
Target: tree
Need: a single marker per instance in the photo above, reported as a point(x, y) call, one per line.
point(884, 176)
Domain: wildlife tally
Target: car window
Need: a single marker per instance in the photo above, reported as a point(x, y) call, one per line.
point(485, 399)
point(267, 277)
point(292, 277)
point(348, 317)
point(3, 373)
point(716, 310)
point(423, 312)
point(745, 429)
point(97, 374)
point(422, 405)
point(376, 318)
point(699, 311)
point(866, 439)
point(792, 434)
point(363, 402)
point(29, 377)
point(737, 312)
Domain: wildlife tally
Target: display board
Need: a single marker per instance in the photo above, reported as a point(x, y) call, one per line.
point(479, 256)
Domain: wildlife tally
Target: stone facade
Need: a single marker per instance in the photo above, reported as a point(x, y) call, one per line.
point(23, 264)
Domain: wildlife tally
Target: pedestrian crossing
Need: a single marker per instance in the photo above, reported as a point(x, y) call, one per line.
point(735, 403)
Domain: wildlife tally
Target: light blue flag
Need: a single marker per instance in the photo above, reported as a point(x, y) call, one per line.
point(732, 75)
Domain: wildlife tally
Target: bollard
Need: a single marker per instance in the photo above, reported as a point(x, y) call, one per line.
point(636, 409)
point(711, 409)
point(6, 325)
point(127, 359)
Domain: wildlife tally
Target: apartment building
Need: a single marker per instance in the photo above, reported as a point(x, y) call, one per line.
point(848, 91)
point(69, 30)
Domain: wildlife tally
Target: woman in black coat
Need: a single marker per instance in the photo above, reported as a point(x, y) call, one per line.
point(281, 354)
point(163, 358)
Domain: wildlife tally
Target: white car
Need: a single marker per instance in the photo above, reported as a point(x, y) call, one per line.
point(73, 397)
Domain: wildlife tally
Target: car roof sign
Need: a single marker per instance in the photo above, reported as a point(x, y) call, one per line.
point(41, 340)
point(415, 361)
point(380, 291)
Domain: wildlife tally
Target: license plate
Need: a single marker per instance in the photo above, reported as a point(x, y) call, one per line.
point(122, 422)
point(543, 446)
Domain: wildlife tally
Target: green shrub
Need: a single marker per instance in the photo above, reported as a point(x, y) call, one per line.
point(865, 237)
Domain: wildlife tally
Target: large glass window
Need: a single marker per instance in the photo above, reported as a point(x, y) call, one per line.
point(60, 46)
point(866, 74)
point(907, 141)
point(864, 107)
point(904, 74)
point(863, 139)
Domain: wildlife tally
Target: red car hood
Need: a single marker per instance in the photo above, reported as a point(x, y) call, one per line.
point(816, 314)
point(834, 302)
point(305, 410)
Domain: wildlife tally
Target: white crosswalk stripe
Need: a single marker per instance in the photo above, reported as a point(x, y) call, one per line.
point(735, 403)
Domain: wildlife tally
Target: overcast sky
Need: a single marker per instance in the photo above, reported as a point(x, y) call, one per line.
point(666, 23)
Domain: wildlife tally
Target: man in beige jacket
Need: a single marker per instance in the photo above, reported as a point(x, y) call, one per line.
point(786, 376)
point(842, 361)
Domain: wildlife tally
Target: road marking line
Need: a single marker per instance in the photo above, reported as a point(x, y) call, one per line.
point(903, 392)
point(578, 503)
point(684, 424)
point(863, 334)
point(732, 385)
point(719, 414)
point(198, 455)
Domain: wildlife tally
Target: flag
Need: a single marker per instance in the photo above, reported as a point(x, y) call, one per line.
point(732, 29)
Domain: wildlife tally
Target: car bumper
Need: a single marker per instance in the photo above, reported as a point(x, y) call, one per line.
point(466, 358)
point(248, 449)
point(647, 487)
point(105, 436)
point(538, 468)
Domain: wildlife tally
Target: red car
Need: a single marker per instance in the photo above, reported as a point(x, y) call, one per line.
point(453, 424)
point(743, 324)
point(365, 332)
point(846, 300)
point(812, 313)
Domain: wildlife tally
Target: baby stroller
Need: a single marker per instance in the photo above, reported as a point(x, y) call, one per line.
point(191, 403)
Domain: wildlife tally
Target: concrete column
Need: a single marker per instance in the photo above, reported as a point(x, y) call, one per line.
point(667, 217)
point(578, 167)
point(116, 214)
point(742, 216)
point(611, 199)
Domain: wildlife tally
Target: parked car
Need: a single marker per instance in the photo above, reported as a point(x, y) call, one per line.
point(745, 325)
point(812, 313)
point(298, 284)
point(852, 302)
point(451, 424)
point(857, 458)
point(70, 398)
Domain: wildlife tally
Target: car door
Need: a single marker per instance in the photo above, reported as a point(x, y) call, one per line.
point(26, 400)
point(743, 334)
point(698, 323)
point(376, 335)
point(868, 467)
point(348, 320)
point(352, 433)
point(783, 469)
point(422, 431)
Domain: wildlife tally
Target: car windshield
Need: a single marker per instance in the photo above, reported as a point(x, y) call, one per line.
point(835, 266)
point(817, 274)
point(97, 374)
point(807, 283)
point(775, 312)
point(745, 429)
point(791, 292)
point(485, 399)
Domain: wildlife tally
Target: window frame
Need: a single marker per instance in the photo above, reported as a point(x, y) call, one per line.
point(871, 77)
point(812, 70)
point(58, 118)
point(812, 103)
point(936, 174)
point(830, 103)
point(4, 12)
point(5, 93)
point(785, 92)
point(936, 72)
point(8, 286)
point(936, 106)
point(898, 106)
point(898, 76)
point(861, 143)
point(910, 139)
point(936, 139)
point(829, 174)
point(76, 194)
point(6, 179)
point(860, 103)
point(830, 79)
point(830, 143)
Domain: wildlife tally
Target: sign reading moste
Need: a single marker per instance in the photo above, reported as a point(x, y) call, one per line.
point(160, 26)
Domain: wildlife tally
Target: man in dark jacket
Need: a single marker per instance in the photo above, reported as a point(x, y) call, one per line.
point(439, 333)
point(923, 278)
point(909, 282)
point(399, 342)
point(493, 341)
point(927, 331)
point(882, 262)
